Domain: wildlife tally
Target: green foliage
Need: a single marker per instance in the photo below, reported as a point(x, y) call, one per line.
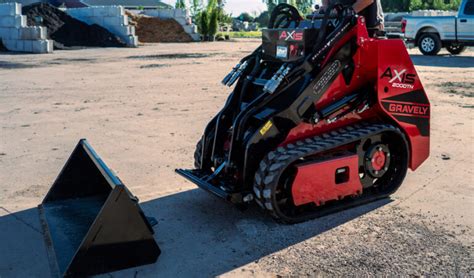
point(214, 23)
point(412, 5)
point(396, 5)
point(180, 4)
point(196, 8)
point(453, 5)
point(439, 5)
point(204, 23)
point(416, 5)
point(225, 18)
point(245, 17)
point(305, 6)
point(211, 6)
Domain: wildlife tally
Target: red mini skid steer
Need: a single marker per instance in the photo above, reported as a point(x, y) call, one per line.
point(323, 117)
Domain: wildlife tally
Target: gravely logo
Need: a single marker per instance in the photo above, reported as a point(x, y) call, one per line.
point(293, 35)
point(399, 78)
point(410, 109)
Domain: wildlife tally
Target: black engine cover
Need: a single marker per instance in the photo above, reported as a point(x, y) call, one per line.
point(288, 45)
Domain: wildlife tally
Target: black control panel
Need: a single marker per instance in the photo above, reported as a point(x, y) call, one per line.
point(288, 45)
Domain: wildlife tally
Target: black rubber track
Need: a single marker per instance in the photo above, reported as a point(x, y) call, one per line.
point(271, 168)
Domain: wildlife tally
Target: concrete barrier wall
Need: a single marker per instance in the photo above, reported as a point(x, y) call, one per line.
point(433, 13)
point(17, 36)
point(112, 18)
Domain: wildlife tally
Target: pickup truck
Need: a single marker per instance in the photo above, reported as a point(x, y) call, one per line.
point(431, 33)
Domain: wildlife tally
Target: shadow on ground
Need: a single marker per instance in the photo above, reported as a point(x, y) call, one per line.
point(444, 61)
point(199, 235)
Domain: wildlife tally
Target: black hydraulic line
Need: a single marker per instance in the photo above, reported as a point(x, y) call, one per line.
point(242, 119)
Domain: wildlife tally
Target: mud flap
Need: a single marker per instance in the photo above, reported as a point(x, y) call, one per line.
point(91, 223)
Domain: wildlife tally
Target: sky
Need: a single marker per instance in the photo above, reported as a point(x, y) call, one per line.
point(236, 7)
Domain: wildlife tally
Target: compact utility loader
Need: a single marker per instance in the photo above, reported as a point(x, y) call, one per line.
point(325, 115)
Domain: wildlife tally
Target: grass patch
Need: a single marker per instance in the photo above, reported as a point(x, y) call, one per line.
point(251, 34)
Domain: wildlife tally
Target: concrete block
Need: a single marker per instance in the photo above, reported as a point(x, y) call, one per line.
point(14, 33)
point(115, 20)
point(7, 21)
point(86, 19)
point(13, 21)
point(20, 45)
point(179, 13)
point(28, 46)
point(32, 33)
point(123, 19)
point(122, 30)
point(99, 20)
point(195, 37)
point(22, 21)
point(166, 14)
point(6, 32)
point(132, 41)
point(10, 44)
point(41, 46)
point(115, 11)
point(181, 20)
point(100, 11)
point(10, 9)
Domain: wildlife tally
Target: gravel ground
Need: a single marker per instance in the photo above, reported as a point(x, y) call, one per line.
point(388, 242)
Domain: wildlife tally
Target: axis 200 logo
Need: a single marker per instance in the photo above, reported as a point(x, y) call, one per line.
point(291, 36)
point(399, 78)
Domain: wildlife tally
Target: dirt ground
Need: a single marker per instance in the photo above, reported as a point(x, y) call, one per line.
point(143, 111)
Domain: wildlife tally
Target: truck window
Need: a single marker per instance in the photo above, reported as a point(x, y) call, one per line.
point(469, 9)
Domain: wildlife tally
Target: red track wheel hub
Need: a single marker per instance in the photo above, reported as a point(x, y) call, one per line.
point(377, 160)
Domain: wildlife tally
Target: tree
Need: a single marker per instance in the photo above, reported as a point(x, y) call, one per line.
point(214, 23)
point(211, 6)
point(395, 6)
point(204, 23)
point(196, 8)
point(412, 5)
point(180, 4)
point(305, 6)
point(439, 5)
point(245, 17)
point(416, 5)
point(454, 5)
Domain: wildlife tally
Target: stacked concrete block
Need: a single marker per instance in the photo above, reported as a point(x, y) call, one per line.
point(433, 13)
point(17, 36)
point(112, 18)
point(180, 15)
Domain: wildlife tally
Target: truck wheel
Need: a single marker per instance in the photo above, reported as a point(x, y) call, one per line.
point(429, 44)
point(456, 48)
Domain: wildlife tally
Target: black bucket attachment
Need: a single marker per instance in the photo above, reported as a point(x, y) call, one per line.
point(92, 224)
